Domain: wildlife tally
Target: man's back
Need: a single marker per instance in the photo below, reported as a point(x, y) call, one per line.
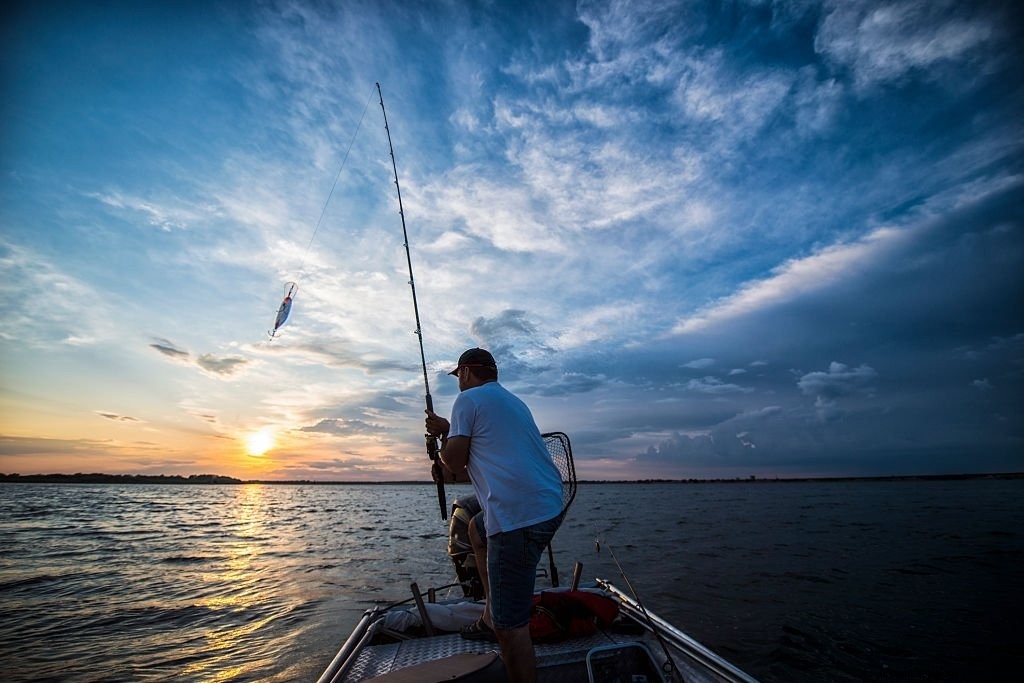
point(510, 467)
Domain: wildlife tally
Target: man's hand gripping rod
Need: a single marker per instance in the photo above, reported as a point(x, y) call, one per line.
point(436, 468)
point(433, 451)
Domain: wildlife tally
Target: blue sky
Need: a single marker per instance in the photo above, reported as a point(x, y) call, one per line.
point(706, 239)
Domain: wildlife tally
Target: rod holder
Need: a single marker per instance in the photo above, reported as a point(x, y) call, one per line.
point(427, 625)
point(577, 572)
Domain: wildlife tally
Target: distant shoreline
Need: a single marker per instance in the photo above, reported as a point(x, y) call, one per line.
point(220, 480)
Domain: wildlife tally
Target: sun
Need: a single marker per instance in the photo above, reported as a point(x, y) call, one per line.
point(259, 442)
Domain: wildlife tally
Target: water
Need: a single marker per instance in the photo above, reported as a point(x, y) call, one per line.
point(837, 581)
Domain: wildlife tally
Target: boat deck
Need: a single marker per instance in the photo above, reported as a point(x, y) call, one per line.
point(561, 662)
point(391, 644)
point(556, 658)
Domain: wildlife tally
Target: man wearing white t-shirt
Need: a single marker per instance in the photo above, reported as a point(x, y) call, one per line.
point(492, 436)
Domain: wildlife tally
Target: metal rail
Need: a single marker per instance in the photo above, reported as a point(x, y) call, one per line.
point(336, 670)
point(684, 643)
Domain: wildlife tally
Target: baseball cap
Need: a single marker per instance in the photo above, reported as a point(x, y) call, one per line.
point(475, 358)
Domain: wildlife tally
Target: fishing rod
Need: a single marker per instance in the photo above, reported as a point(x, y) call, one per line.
point(433, 451)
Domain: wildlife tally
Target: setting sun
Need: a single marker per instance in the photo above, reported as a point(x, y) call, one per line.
point(259, 442)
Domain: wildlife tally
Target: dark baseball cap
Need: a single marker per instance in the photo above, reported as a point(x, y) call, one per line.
point(475, 358)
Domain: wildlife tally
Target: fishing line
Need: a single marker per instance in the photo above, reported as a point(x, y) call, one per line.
point(336, 178)
point(650, 622)
point(290, 288)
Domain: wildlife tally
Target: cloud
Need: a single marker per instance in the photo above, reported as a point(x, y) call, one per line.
point(117, 418)
point(498, 213)
point(335, 354)
point(169, 349)
point(777, 185)
point(884, 42)
point(172, 215)
point(797, 277)
point(513, 338)
point(713, 385)
point(225, 366)
point(43, 305)
point(353, 465)
point(838, 380)
point(681, 448)
point(598, 324)
point(219, 366)
point(343, 427)
point(566, 384)
point(508, 324)
point(738, 106)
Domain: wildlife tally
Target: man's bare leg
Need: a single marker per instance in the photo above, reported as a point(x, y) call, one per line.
point(518, 655)
point(516, 645)
point(480, 553)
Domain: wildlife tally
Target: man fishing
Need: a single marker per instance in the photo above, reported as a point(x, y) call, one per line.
point(492, 435)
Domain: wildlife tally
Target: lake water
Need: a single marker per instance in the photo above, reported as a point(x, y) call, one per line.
point(810, 581)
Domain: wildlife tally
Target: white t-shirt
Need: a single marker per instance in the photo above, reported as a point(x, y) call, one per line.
point(514, 479)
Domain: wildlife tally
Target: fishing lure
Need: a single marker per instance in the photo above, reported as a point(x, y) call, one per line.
point(290, 288)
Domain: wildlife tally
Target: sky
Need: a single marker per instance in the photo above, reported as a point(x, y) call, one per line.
point(704, 239)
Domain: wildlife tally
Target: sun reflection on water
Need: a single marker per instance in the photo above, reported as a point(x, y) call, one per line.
point(233, 643)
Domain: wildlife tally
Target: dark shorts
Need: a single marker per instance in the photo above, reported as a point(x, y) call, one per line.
point(512, 559)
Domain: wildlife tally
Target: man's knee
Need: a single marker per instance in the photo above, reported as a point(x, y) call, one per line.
point(512, 639)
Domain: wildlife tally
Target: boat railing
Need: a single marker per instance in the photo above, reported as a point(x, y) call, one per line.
point(684, 643)
point(342, 661)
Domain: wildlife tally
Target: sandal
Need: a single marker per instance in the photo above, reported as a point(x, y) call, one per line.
point(479, 630)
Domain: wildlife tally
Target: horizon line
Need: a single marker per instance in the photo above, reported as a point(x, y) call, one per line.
point(224, 480)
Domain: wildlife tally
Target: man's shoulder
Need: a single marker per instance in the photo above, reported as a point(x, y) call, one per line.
point(474, 396)
point(487, 389)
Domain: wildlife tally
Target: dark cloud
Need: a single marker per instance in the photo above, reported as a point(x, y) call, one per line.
point(117, 418)
point(169, 349)
point(508, 323)
point(352, 465)
point(566, 384)
point(515, 341)
point(223, 366)
point(342, 427)
point(912, 362)
point(227, 365)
